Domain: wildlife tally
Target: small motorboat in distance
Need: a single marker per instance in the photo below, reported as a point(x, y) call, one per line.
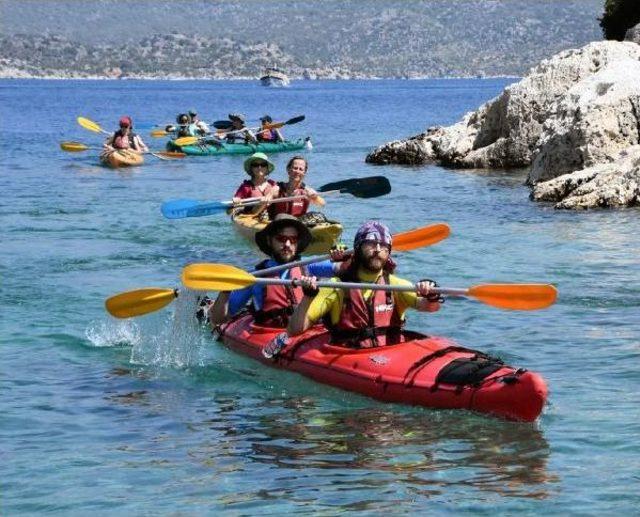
point(274, 77)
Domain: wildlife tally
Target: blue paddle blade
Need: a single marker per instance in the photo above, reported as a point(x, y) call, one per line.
point(177, 209)
point(181, 208)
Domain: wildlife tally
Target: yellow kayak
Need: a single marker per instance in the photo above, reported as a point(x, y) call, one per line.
point(323, 235)
point(121, 158)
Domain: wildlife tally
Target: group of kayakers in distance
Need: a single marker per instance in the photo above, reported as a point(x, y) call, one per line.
point(189, 124)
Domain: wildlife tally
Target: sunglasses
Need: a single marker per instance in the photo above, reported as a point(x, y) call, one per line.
point(373, 244)
point(282, 239)
point(259, 164)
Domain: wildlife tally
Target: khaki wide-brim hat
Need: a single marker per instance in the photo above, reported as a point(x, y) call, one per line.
point(282, 221)
point(258, 157)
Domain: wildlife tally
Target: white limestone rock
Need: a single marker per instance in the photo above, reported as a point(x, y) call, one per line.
point(595, 119)
point(612, 184)
point(505, 131)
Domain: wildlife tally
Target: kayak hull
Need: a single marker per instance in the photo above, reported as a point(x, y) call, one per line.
point(395, 373)
point(123, 158)
point(323, 236)
point(226, 148)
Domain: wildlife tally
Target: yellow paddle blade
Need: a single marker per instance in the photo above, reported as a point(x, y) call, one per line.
point(419, 237)
point(139, 302)
point(215, 277)
point(90, 125)
point(73, 147)
point(186, 140)
point(522, 297)
point(158, 133)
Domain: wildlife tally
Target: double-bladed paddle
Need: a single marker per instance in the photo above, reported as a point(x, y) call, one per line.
point(191, 140)
point(95, 128)
point(372, 186)
point(223, 277)
point(77, 147)
point(143, 301)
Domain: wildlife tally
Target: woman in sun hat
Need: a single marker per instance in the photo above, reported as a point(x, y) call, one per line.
point(258, 167)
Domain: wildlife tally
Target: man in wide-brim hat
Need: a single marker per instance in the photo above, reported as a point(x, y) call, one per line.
point(238, 133)
point(283, 240)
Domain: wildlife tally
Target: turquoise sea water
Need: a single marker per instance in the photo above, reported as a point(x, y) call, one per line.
point(150, 416)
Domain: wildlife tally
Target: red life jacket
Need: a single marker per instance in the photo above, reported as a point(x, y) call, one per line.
point(248, 190)
point(279, 300)
point(368, 323)
point(120, 141)
point(296, 208)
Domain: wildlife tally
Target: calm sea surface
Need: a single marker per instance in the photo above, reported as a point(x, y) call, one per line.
point(150, 416)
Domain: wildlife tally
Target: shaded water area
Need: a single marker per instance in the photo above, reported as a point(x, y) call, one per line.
point(152, 416)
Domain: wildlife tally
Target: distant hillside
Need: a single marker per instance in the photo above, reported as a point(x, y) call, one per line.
point(347, 38)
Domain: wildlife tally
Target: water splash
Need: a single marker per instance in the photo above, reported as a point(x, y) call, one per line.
point(112, 334)
point(179, 343)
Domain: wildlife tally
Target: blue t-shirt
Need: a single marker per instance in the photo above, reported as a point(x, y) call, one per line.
point(239, 299)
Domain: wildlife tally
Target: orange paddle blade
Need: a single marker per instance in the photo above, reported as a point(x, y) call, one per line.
point(419, 237)
point(139, 302)
point(158, 133)
point(170, 154)
point(522, 297)
point(215, 277)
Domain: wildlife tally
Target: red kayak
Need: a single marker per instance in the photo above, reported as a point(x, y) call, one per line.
point(423, 370)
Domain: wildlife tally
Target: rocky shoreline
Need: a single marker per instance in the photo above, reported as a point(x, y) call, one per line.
point(574, 120)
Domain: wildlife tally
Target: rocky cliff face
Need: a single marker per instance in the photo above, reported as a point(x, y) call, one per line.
point(571, 112)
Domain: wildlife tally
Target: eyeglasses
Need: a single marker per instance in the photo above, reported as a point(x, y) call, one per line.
point(282, 239)
point(259, 164)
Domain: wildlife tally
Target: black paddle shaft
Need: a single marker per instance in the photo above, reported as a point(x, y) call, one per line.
point(373, 186)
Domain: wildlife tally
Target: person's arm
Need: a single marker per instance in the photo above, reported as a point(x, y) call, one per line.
point(311, 309)
point(219, 311)
point(141, 145)
point(229, 304)
point(421, 299)
point(279, 137)
point(108, 143)
point(249, 136)
point(314, 197)
point(426, 300)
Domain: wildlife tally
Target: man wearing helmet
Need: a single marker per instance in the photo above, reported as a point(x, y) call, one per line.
point(125, 138)
point(364, 319)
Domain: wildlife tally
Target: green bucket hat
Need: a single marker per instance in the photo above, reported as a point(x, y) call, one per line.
point(258, 157)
